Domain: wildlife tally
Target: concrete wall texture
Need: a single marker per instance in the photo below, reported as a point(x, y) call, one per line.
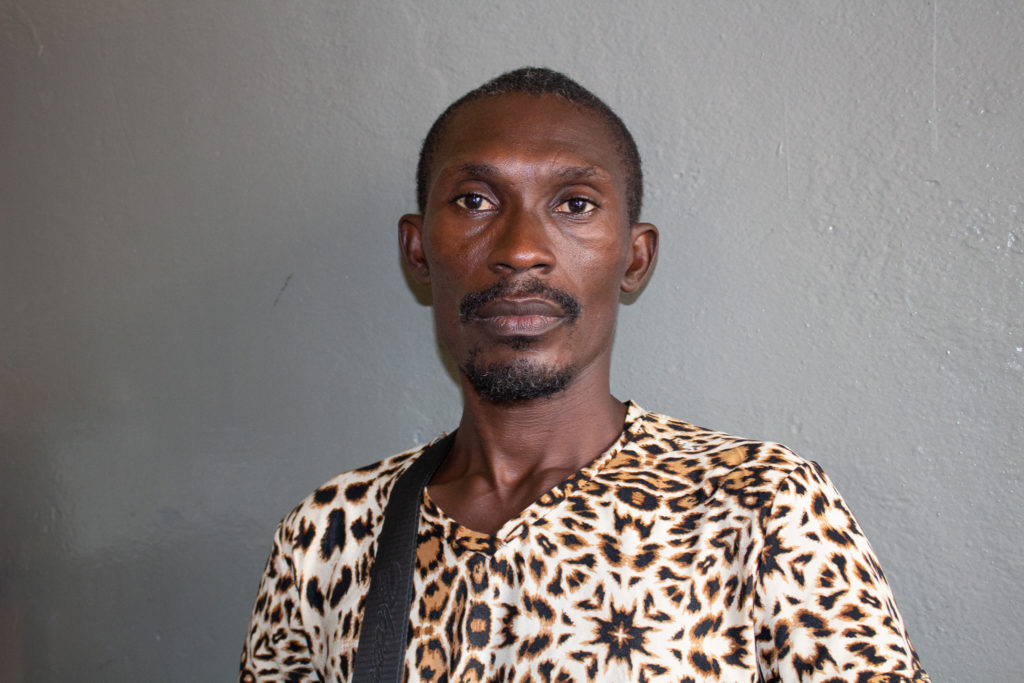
point(204, 316)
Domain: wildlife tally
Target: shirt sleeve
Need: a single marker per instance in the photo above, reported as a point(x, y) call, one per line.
point(824, 611)
point(277, 647)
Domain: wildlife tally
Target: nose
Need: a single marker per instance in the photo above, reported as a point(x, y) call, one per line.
point(522, 242)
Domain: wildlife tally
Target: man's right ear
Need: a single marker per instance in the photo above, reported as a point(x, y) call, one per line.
point(410, 241)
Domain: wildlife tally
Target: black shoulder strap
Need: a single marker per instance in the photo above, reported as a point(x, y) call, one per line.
point(383, 636)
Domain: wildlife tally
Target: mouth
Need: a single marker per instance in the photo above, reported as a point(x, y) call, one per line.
point(519, 317)
point(518, 313)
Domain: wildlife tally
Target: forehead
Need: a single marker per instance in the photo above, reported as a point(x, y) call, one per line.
point(537, 129)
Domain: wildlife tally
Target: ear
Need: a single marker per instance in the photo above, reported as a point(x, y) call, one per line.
point(410, 242)
point(643, 252)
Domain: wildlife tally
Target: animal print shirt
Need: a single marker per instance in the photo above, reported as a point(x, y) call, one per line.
point(680, 554)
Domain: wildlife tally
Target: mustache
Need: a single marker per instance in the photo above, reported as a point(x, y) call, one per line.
point(472, 302)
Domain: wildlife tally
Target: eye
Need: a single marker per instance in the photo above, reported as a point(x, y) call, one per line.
point(474, 202)
point(576, 206)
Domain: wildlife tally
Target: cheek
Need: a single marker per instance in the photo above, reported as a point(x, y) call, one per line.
point(448, 287)
point(602, 271)
point(447, 293)
point(446, 324)
point(448, 268)
point(454, 246)
point(446, 297)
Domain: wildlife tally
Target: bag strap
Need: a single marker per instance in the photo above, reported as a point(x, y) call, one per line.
point(383, 637)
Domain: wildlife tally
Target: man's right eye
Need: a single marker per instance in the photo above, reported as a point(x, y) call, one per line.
point(474, 202)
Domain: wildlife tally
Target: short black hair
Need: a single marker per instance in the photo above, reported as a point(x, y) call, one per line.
point(534, 80)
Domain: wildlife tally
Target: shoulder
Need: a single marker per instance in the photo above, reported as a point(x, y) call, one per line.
point(697, 456)
point(351, 503)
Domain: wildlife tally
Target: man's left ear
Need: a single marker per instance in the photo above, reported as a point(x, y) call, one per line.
point(643, 252)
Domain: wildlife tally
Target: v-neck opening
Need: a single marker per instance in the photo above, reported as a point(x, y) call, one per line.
point(464, 538)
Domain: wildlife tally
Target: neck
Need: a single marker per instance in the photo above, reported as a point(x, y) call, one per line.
point(506, 442)
point(506, 455)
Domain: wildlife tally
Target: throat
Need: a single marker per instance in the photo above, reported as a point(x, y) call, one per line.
point(506, 457)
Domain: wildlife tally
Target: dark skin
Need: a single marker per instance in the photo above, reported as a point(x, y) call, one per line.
point(526, 188)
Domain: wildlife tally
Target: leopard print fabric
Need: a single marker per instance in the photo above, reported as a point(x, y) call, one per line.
point(680, 554)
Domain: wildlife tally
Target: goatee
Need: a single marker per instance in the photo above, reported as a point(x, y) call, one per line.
point(519, 379)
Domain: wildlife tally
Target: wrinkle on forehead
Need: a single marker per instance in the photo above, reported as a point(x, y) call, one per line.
point(569, 173)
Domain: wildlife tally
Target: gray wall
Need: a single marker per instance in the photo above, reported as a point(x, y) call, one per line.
point(203, 313)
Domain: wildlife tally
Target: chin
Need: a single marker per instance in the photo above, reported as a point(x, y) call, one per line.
point(517, 380)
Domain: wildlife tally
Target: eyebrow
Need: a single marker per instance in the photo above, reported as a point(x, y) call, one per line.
point(481, 170)
point(581, 172)
point(569, 173)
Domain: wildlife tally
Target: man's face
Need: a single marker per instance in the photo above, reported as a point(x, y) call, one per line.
point(526, 245)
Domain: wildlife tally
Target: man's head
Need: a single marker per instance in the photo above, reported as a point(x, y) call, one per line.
point(526, 240)
point(538, 81)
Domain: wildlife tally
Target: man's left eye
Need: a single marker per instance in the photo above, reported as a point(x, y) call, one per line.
point(576, 205)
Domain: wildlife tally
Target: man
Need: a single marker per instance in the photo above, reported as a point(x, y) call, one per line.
point(567, 535)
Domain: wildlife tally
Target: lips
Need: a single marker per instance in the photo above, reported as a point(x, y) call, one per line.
point(518, 307)
point(519, 317)
point(518, 310)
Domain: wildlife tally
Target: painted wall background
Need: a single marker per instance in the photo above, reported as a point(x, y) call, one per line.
point(203, 313)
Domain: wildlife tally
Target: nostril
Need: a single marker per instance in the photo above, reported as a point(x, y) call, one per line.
point(522, 243)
